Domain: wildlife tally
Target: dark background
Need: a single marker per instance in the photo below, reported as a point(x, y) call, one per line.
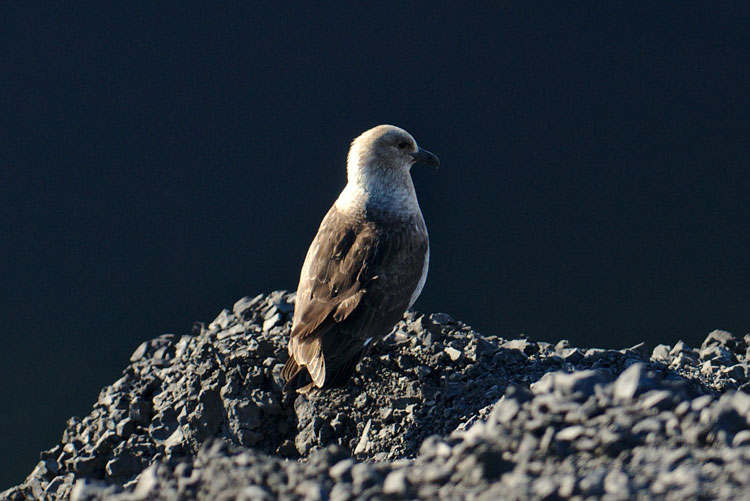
point(160, 162)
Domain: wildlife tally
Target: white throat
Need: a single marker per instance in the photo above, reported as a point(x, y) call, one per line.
point(374, 187)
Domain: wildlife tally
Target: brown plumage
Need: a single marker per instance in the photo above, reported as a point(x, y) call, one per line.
point(366, 265)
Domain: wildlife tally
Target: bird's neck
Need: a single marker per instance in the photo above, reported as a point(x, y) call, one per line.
point(390, 192)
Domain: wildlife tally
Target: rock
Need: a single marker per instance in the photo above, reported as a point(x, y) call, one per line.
point(657, 399)
point(208, 415)
point(254, 493)
point(245, 305)
point(271, 322)
point(85, 489)
point(436, 410)
point(342, 469)
point(681, 347)
point(718, 355)
point(738, 372)
point(396, 484)
point(640, 349)
point(105, 442)
point(616, 484)
point(571, 355)
point(147, 482)
point(700, 403)
point(139, 352)
point(591, 484)
point(442, 319)
point(322, 430)
point(141, 411)
point(364, 475)
point(364, 442)
point(505, 410)
point(125, 428)
point(570, 433)
point(725, 340)
point(629, 383)
point(453, 353)
point(222, 321)
point(661, 353)
point(741, 439)
point(342, 492)
point(581, 383)
point(523, 345)
point(175, 443)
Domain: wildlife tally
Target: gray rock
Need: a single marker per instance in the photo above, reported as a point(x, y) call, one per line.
point(254, 493)
point(504, 411)
point(591, 484)
point(436, 410)
point(453, 353)
point(570, 433)
point(571, 355)
point(244, 306)
point(580, 383)
point(125, 428)
point(640, 349)
point(442, 319)
point(124, 465)
point(364, 475)
point(342, 492)
point(85, 489)
point(363, 444)
point(741, 439)
point(147, 483)
point(629, 383)
point(681, 347)
point(657, 399)
point(701, 402)
point(616, 484)
point(139, 352)
point(396, 484)
point(718, 355)
point(661, 353)
point(523, 345)
point(222, 321)
point(342, 470)
point(726, 340)
point(141, 411)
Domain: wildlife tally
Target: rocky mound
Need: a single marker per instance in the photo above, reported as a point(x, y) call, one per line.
point(435, 410)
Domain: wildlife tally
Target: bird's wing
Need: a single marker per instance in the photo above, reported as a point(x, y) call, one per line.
point(329, 280)
point(356, 277)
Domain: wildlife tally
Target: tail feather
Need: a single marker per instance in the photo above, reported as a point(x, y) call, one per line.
point(299, 382)
point(338, 376)
point(290, 369)
point(295, 377)
point(298, 378)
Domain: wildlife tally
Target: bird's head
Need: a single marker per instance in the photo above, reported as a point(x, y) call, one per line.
point(387, 148)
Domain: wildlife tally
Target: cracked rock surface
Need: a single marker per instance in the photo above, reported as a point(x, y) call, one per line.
point(435, 410)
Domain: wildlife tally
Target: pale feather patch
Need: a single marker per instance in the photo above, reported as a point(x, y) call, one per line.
point(422, 279)
point(369, 185)
point(351, 199)
point(308, 355)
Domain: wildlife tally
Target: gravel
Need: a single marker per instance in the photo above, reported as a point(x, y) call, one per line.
point(435, 410)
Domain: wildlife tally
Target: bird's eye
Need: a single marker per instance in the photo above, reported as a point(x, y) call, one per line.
point(402, 145)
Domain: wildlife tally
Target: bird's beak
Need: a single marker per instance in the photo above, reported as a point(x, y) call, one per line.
point(425, 156)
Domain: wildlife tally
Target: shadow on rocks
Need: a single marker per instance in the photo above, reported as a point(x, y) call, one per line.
point(431, 377)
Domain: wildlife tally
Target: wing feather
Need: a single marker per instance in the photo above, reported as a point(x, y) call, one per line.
point(357, 280)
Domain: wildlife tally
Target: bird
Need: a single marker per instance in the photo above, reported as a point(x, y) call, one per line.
point(366, 265)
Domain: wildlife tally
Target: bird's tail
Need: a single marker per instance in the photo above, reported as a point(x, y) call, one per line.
point(338, 376)
point(295, 377)
point(298, 378)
